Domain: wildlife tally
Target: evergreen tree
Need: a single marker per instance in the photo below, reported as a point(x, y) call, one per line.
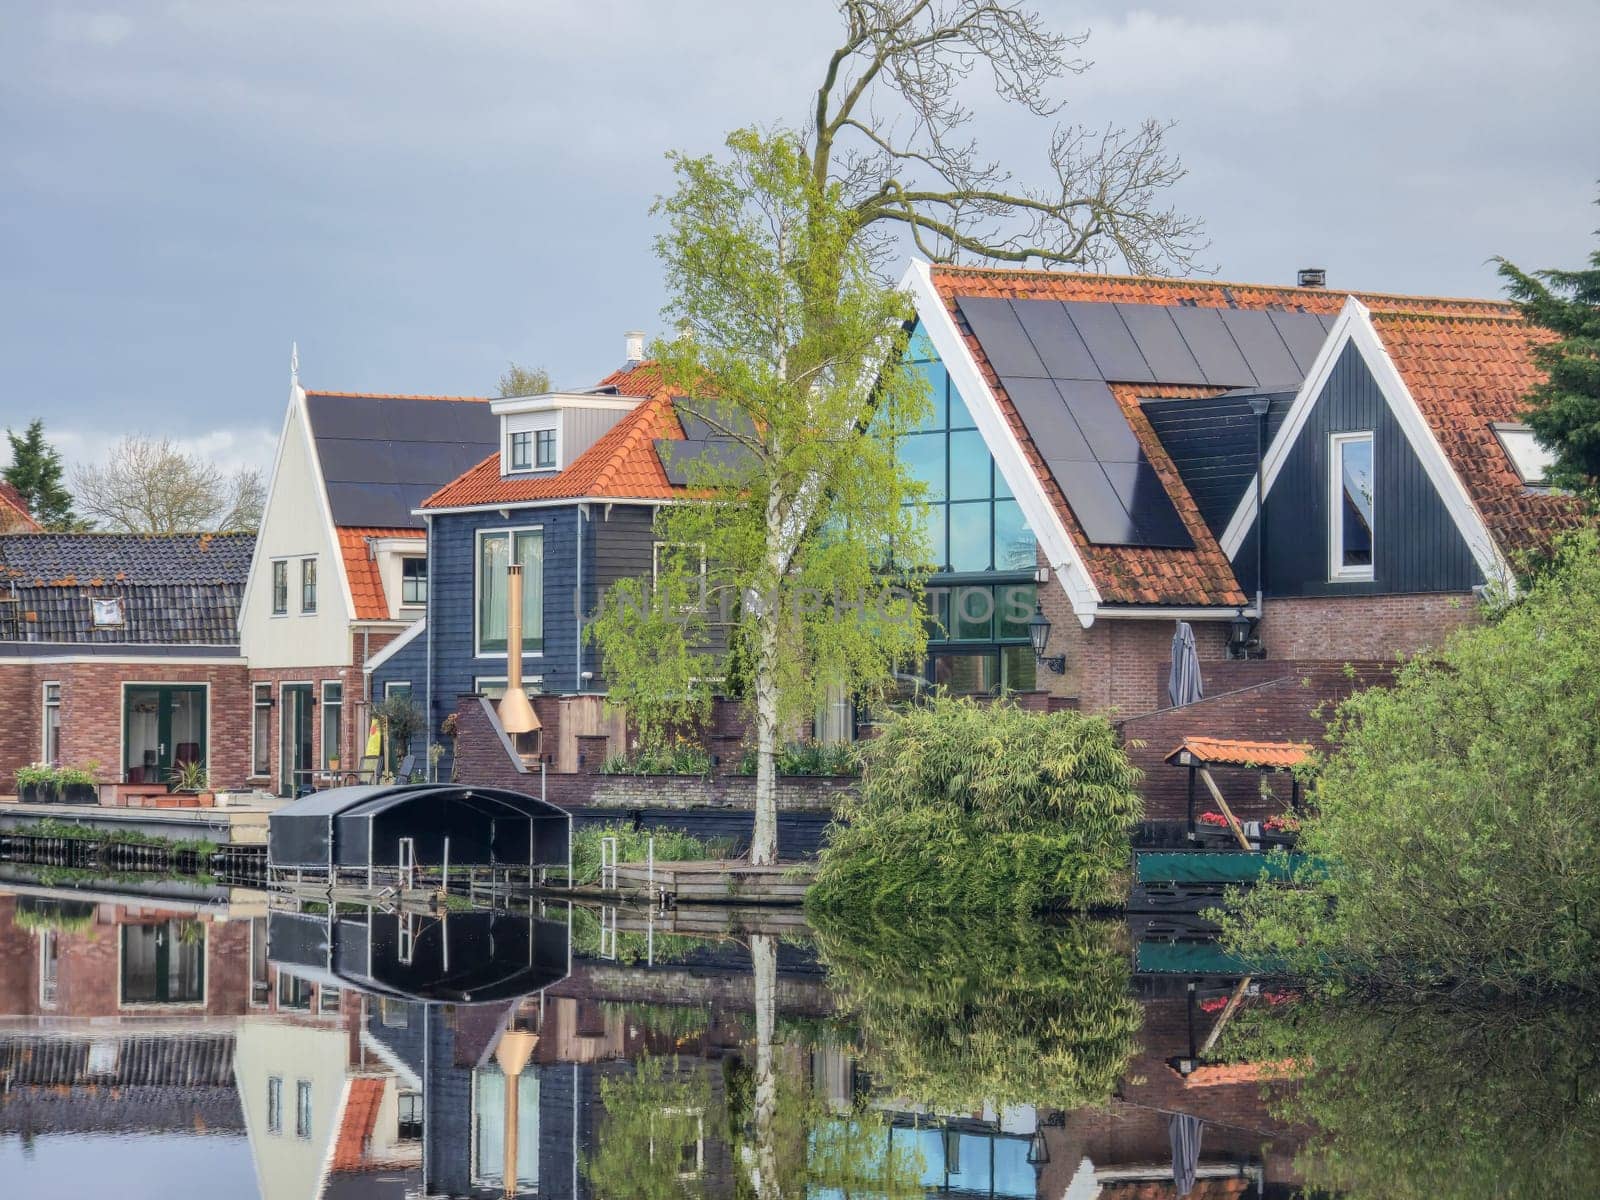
point(1564, 411)
point(35, 471)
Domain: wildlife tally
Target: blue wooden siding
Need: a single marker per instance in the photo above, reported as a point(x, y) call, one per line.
point(1416, 545)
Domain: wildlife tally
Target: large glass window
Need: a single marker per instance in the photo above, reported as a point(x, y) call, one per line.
point(978, 638)
point(261, 729)
point(52, 723)
point(490, 1133)
point(332, 722)
point(973, 524)
point(280, 587)
point(413, 581)
point(1350, 511)
point(165, 963)
point(494, 556)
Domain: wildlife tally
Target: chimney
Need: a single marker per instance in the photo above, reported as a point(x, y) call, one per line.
point(1311, 277)
point(516, 714)
point(633, 346)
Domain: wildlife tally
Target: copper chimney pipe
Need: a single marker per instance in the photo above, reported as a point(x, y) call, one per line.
point(516, 714)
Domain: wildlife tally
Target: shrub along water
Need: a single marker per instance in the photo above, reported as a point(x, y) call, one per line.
point(1456, 834)
point(968, 805)
point(633, 846)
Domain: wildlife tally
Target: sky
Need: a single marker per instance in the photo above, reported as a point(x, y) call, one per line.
point(417, 193)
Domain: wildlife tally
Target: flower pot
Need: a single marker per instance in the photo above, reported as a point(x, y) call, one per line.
point(37, 793)
point(79, 793)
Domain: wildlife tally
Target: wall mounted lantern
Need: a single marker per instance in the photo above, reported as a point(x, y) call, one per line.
point(1039, 635)
point(1241, 635)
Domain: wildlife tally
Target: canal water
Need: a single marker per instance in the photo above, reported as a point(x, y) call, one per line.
point(154, 1046)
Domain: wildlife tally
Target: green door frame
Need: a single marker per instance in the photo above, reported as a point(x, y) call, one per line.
point(165, 745)
point(294, 722)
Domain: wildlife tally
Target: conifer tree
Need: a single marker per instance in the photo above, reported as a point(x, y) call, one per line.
point(35, 472)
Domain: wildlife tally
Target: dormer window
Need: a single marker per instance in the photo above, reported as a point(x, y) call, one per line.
point(531, 449)
point(544, 453)
point(1530, 460)
point(413, 582)
point(521, 455)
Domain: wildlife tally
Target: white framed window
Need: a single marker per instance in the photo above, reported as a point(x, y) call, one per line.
point(280, 587)
point(302, 1109)
point(519, 453)
point(413, 582)
point(308, 585)
point(274, 1104)
point(1530, 460)
point(489, 607)
point(1351, 506)
point(493, 687)
point(261, 729)
point(544, 449)
point(332, 722)
point(51, 725)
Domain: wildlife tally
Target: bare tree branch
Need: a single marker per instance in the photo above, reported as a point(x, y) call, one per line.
point(149, 485)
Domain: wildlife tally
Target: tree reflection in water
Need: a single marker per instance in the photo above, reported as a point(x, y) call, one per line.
point(952, 1016)
point(1406, 1100)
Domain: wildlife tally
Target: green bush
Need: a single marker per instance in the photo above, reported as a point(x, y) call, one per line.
point(84, 776)
point(808, 758)
point(953, 1019)
point(38, 775)
point(633, 847)
point(968, 805)
point(667, 758)
point(1455, 838)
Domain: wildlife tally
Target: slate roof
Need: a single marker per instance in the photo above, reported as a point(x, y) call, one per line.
point(1466, 373)
point(380, 455)
point(176, 589)
point(14, 514)
point(622, 464)
point(361, 567)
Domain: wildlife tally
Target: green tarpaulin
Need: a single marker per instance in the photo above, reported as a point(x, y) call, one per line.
point(1212, 866)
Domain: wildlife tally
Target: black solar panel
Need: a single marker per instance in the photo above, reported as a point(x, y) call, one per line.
point(717, 460)
point(1258, 340)
point(697, 417)
point(1303, 334)
point(1160, 343)
point(1100, 418)
point(1056, 339)
point(1213, 347)
point(345, 416)
point(1004, 342)
point(1053, 429)
point(1147, 502)
point(1114, 350)
point(381, 504)
point(1094, 502)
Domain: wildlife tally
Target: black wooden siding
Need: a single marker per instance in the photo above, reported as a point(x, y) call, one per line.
point(1417, 547)
point(1212, 442)
point(617, 541)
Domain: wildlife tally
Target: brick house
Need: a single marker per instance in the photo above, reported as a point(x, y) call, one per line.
point(122, 651)
point(341, 567)
point(14, 514)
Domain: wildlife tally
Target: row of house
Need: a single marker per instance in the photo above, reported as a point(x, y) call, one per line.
point(1305, 476)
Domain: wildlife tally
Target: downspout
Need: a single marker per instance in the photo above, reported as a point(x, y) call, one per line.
point(1260, 406)
point(577, 605)
point(427, 652)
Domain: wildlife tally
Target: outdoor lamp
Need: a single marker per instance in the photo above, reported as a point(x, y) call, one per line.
point(1039, 635)
point(1240, 627)
point(1038, 1149)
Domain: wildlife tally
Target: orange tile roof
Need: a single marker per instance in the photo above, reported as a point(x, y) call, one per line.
point(1141, 574)
point(357, 1123)
point(1227, 752)
point(1230, 1073)
point(14, 514)
point(1466, 373)
point(361, 568)
point(1224, 1188)
point(639, 379)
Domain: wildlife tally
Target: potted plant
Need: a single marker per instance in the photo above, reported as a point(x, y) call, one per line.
point(79, 785)
point(37, 783)
point(189, 779)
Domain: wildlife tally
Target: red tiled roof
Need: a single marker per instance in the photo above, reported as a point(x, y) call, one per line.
point(1227, 752)
point(640, 379)
point(357, 1123)
point(1466, 373)
point(361, 568)
point(14, 514)
point(1230, 1073)
point(1140, 574)
point(1223, 1188)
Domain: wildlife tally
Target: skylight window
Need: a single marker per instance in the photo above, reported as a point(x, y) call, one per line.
point(1529, 459)
point(107, 612)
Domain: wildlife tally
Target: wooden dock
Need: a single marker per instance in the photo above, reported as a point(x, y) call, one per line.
point(714, 881)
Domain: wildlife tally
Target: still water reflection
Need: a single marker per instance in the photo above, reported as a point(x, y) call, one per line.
point(222, 1045)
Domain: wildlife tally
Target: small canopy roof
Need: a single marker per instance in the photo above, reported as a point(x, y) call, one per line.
point(1222, 752)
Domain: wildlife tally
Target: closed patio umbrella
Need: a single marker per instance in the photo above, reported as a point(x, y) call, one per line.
point(1183, 681)
point(1184, 1130)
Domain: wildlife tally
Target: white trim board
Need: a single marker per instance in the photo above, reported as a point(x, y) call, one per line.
point(1355, 326)
point(395, 646)
point(968, 380)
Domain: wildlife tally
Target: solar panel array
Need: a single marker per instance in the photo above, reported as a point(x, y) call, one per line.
point(381, 456)
point(1056, 360)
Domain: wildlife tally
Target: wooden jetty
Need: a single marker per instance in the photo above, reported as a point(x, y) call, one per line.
point(711, 881)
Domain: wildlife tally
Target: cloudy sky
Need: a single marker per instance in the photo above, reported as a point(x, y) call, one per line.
point(418, 192)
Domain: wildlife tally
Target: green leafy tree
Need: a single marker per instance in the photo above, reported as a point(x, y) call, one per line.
point(1035, 1014)
point(36, 472)
point(1456, 834)
point(790, 540)
point(1564, 410)
point(518, 380)
point(968, 806)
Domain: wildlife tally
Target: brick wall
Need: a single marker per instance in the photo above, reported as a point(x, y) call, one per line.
point(91, 713)
point(1356, 628)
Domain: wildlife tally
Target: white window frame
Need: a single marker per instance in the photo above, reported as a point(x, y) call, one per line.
point(532, 685)
point(1510, 434)
point(309, 561)
point(303, 1097)
point(323, 705)
point(44, 718)
point(478, 535)
point(272, 587)
point(275, 1104)
point(1337, 571)
point(405, 560)
point(255, 703)
point(539, 464)
point(512, 465)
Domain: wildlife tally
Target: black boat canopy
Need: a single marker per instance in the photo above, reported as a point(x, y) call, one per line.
point(360, 827)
